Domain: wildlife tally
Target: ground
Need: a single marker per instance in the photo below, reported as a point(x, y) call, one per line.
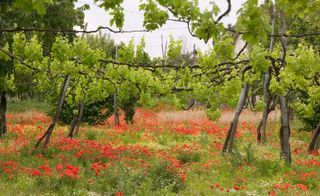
point(162, 153)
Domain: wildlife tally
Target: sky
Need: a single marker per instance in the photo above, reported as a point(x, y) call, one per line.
point(96, 17)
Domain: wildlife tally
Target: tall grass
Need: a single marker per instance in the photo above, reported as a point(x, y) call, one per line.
point(18, 106)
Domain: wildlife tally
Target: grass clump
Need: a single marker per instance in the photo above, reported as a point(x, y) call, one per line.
point(164, 176)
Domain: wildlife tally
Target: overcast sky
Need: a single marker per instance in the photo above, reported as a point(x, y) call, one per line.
point(134, 19)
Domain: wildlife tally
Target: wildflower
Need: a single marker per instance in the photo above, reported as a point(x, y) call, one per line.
point(59, 167)
point(236, 188)
point(302, 187)
point(69, 172)
point(46, 170)
point(119, 194)
point(35, 172)
point(272, 193)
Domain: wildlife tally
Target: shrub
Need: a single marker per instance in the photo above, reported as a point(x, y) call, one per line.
point(93, 113)
point(307, 112)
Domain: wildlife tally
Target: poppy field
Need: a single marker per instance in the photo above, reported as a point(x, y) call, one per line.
point(162, 153)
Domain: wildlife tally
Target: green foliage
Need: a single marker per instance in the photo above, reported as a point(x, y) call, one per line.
point(258, 59)
point(224, 49)
point(93, 113)
point(174, 49)
point(251, 22)
point(300, 75)
point(183, 9)
point(213, 114)
point(154, 17)
point(103, 42)
point(188, 158)
point(6, 75)
point(207, 28)
point(38, 5)
point(259, 106)
point(308, 112)
point(118, 17)
point(53, 14)
point(116, 11)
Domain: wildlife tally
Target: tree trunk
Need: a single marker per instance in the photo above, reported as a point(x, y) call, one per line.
point(48, 133)
point(259, 130)
point(262, 137)
point(317, 144)
point(266, 111)
point(285, 131)
point(315, 137)
point(228, 144)
point(254, 101)
point(3, 110)
point(115, 105)
point(79, 119)
point(74, 128)
point(262, 126)
point(285, 126)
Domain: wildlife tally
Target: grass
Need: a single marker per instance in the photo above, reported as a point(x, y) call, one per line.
point(161, 154)
point(28, 105)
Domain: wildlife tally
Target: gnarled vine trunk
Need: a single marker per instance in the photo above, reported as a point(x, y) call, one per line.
point(3, 110)
point(48, 133)
point(261, 130)
point(285, 126)
point(285, 131)
point(315, 137)
point(75, 124)
point(115, 105)
point(228, 144)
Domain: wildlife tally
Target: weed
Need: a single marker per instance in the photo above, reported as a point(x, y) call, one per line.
point(163, 175)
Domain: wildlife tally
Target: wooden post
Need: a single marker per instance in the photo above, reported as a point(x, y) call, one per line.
point(77, 126)
point(115, 99)
point(48, 133)
point(285, 126)
point(74, 127)
point(228, 144)
point(261, 130)
point(285, 131)
point(3, 110)
point(315, 137)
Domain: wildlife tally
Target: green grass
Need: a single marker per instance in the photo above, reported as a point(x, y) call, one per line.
point(18, 106)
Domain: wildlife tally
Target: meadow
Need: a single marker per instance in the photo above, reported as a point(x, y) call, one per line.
point(165, 152)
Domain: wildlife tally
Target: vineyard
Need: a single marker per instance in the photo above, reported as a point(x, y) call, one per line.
point(84, 114)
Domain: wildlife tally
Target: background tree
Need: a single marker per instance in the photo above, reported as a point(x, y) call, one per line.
point(35, 14)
